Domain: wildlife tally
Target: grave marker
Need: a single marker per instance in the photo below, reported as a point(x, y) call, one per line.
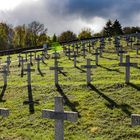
point(56, 69)
point(59, 115)
point(88, 67)
point(5, 72)
point(8, 64)
point(4, 112)
point(127, 67)
point(30, 96)
point(135, 119)
point(75, 56)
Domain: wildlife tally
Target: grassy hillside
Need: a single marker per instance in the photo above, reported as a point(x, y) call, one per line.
point(104, 107)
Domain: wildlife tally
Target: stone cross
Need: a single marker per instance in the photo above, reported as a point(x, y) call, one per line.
point(77, 49)
point(56, 69)
point(8, 61)
point(135, 119)
point(68, 53)
point(100, 50)
point(30, 96)
point(121, 52)
point(127, 66)
point(96, 56)
point(31, 62)
point(59, 115)
point(84, 50)
point(4, 112)
point(22, 65)
point(5, 72)
point(75, 56)
point(19, 57)
point(38, 61)
point(88, 67)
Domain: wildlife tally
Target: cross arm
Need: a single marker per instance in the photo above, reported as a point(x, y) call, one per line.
point(67, 115)
point(90, 66)
point(56, 68)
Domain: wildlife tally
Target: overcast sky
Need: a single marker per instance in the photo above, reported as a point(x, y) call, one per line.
point(62, 15)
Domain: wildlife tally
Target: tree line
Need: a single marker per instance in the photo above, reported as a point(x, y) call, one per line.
point(35, 34)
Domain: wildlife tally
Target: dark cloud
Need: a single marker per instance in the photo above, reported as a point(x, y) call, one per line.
point(61, 15)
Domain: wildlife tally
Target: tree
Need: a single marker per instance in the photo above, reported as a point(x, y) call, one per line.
point(108, 30)
point(35, 29)
point(85, 33)
point(54, 38)
point(19, 36)
point(117, 28)
point(6, 36)
point(67, 36)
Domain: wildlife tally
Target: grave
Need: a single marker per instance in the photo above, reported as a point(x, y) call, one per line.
point(59, 115)
point(121, 52)
point(5, 72)
point(74, 56)
point(127, 66)
point(8, 61)
point(56, 69)
point(30, 96)
point(19, 57)
point(96, 56)
point(88, 67)
point(4, 112)
point(135, 119)
point(22, 60)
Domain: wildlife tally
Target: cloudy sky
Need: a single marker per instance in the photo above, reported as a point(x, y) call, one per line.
point(74, 15)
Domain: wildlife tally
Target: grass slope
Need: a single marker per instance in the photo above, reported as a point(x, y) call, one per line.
point(104, 107)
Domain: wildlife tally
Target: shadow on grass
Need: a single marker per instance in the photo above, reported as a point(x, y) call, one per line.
point(40, 72)
point(108, 69)
point(111, 103)
point(109, 58)
point(72, 106)
point(2, 93)
point(63, 73)
point(30, 100)
point(44, 62)
point(83, 71)
point(134, 86)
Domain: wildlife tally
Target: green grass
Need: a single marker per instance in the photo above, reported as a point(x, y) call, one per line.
point(104, 109)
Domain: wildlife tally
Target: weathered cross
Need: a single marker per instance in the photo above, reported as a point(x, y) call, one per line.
point(88, 67)
point(56, 69)
point(4, 112)
point(31, 62)
point(84, 50)
point(121, 52)
point(96, 56)
point(38, 62)
point(8, 61)
point(5, 72)
point(30, 96)
point(75, 56)
point(19, 58)
point(22, 65)
point(77, 49)
point(135, 119)
point(127, 65)
point(59, 115)
point(68, 53)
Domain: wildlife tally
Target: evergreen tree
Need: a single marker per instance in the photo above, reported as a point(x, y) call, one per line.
point(108, 31)
point(117, 28)
point(54, 38)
